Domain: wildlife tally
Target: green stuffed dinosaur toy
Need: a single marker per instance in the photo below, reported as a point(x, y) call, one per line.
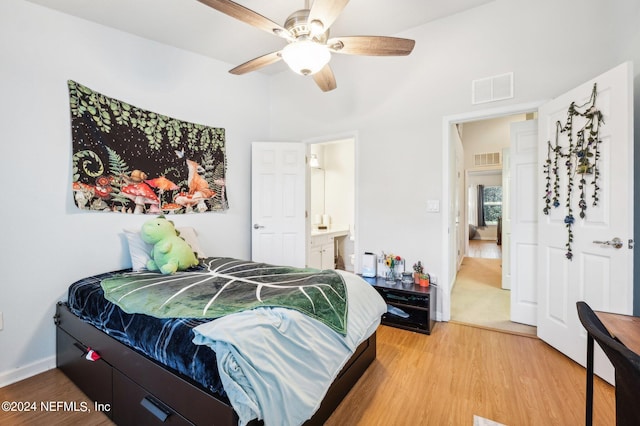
point(170, 252)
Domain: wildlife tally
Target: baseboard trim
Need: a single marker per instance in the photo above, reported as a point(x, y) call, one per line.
point(9, 377)
point(497, 329)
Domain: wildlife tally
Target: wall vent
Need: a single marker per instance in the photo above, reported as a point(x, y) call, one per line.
point(492, 89)
point(486, 159)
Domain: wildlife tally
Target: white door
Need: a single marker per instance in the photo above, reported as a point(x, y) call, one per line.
point(523, 247)
point(506, 219)
point(599, 274)
point(278, 203)
point(461, 229)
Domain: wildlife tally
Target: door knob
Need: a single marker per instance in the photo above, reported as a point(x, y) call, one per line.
point(256, 226)
point(616, 243)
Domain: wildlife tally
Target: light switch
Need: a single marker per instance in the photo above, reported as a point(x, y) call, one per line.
point(433, 206)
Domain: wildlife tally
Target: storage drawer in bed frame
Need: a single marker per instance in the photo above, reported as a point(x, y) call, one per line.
point(85, 374)
point(129, 398)
point(182, 398)
point(141, 391)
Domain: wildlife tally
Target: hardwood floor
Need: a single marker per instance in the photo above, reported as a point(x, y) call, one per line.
point(487, 249)
point(36, 403)
point(442, 379)
point(460, 371)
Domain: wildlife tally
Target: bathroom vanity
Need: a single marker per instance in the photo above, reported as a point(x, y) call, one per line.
point(322, 247)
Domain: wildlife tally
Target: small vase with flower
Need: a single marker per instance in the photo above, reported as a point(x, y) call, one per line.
point(391, 261)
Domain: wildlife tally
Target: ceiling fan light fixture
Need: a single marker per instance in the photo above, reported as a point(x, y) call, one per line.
point(316, 28)
point(306, 57)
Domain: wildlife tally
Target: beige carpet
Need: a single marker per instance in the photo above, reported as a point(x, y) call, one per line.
point(478, 299)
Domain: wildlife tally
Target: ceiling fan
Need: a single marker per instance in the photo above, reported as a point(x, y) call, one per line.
point(309, 47)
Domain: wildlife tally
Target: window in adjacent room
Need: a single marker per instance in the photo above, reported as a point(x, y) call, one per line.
point(492, 205)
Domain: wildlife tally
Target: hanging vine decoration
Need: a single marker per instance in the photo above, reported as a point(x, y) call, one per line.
point(552, 195)
point(580, 159)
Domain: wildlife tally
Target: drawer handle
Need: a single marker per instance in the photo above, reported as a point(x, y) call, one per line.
point(87, 353)
point(155, 407)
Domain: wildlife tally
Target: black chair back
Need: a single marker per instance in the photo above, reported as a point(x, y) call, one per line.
point(625, 362)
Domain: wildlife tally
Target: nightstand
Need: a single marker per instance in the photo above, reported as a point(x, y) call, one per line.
point(417, 304)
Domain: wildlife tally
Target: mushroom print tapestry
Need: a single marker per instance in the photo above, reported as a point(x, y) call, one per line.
point(129, 160)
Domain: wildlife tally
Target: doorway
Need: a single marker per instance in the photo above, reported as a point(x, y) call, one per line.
point(454, 234)
point(479, 297)
point(331, 204)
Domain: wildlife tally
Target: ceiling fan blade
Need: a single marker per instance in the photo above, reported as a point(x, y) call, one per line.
point(325, 79)
point(326, 11)
point(371, 45)
point(257, 63)
point(246, 15)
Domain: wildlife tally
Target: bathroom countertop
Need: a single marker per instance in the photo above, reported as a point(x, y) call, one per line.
point(335, 231)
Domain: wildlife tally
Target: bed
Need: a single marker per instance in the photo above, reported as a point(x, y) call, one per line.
point(166, 369)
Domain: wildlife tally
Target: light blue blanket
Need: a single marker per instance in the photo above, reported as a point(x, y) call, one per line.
point(277, 364)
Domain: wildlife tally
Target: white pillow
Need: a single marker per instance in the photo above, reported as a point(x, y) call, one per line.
point(191, 237)
point(139, 251)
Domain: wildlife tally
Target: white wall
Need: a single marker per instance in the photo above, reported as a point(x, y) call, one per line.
point(47, 242)
point(397, 105)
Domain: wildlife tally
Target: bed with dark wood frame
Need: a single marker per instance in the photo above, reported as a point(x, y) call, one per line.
point(132, 389)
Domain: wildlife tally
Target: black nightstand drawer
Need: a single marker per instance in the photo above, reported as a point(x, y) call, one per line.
point(416, 303)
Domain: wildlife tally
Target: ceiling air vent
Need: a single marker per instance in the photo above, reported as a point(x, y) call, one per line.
point(486, 159)
point(492, 89)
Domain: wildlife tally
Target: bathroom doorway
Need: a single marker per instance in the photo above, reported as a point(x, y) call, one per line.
point(331, 212)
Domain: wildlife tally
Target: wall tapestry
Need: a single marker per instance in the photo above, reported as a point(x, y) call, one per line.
point(578, 160)
point(129, 160)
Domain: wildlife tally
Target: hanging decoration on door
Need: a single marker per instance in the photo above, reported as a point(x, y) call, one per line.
point(575, 152)
point(129, 160)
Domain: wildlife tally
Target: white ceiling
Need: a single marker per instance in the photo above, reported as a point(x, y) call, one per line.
point(193, 26)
